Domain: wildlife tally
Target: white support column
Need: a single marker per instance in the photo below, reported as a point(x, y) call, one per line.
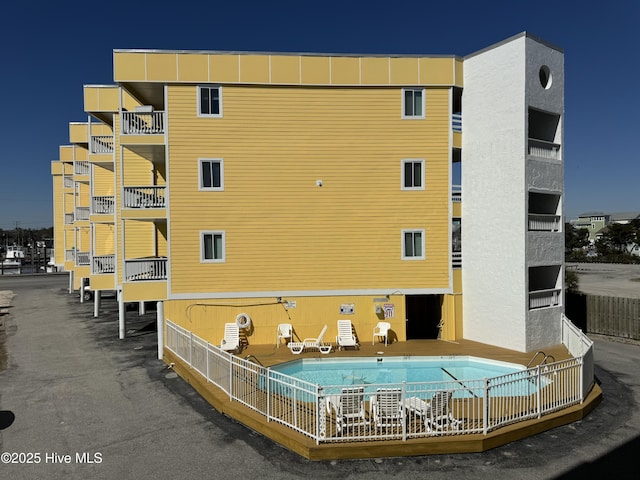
point(71, 281)
point(82, 290)
point(121, 313)
point(160, 325)
point(96, 303)
point(141, 308)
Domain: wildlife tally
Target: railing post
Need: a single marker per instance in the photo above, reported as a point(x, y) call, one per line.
point(538, 391)
point(230, 359)
point(403, 394)
point(268, 394)
point(190, 348)
point(485, 409)
point(321, 416)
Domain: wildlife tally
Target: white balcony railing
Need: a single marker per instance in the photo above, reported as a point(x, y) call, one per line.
point(456, 193)
point(68, 182)
point(83, 258)
point(144, 197)
point(144, 269)
point(70, 255)
point(544, 222)
point(101, 144)
point(544, 298)
point(102, 264)
point(456, 122)
point(142, 123)
point(103, 205)
point(456, 259)
point(68, 218)
point(542, 149)
point(81, 167)
point(82, 213)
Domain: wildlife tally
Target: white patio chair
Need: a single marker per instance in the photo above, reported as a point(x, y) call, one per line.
point(284, 332)
point(349, 408)
point(311, 344)
point(381, 330)
point(345, 337)
point(231, 340)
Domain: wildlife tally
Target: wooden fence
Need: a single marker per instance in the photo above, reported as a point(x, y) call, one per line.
point(615, 316)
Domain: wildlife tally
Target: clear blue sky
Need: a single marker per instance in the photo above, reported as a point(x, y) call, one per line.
point(52, 49)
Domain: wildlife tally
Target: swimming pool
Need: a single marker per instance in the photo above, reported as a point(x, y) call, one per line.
point(370, 370)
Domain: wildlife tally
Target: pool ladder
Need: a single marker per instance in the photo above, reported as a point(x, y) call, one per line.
point(545, 357)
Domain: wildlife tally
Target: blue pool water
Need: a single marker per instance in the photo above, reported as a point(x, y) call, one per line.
point(377, 370)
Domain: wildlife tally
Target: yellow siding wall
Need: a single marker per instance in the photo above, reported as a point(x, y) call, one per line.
point(140, 239)
point(104, 239)
point(138, 171)
point(78, 132)
point(276, 142)
point(102, 181)
point(207, 318)
point(101, 98)
point(101, 129)
point(279, 69)
point(57, 170)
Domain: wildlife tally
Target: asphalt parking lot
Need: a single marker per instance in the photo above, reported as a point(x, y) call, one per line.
point(92, 406)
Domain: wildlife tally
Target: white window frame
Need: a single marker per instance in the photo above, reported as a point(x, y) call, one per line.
point(222, 258)
point(201, 186)
point(404, 113)
point(422, 244)
point(412, 161)
point(198, 104)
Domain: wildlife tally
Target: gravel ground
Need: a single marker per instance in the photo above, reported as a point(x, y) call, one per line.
point(616, 280)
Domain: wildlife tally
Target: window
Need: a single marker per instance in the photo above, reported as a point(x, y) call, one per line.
point(413, 103)
point(212, 248)
point(412, 175)
point(413, 245)
point(210, 101)
point(211, 174)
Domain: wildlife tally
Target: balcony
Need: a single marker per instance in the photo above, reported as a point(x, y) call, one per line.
point(544, 223)
point(103, 205)
point(145, 269)
point(68, 182)
point(83, 258)
point(82, 213)
point(81, 167)
point(144, 197)
point(142, 123)
point(68, 218)
point(456, 259)
point(103, 264)
point(456, 193)
point(544, 298)
point(456, 122)
point(543, 149)
point(101, 144)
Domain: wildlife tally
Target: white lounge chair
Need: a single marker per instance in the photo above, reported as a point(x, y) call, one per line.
point(386, 408)
point(311, 344)
point(436, 412)
point(284, 332)
point(231, 340)
point(349, 408)
point(381, 330)
point(345, 337)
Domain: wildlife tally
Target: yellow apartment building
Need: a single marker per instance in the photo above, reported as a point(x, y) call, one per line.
point(307, 188)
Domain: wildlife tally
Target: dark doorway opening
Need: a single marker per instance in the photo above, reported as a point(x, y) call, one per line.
point(424, 313)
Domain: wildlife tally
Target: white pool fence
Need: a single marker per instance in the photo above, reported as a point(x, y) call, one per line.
point(393, 411)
